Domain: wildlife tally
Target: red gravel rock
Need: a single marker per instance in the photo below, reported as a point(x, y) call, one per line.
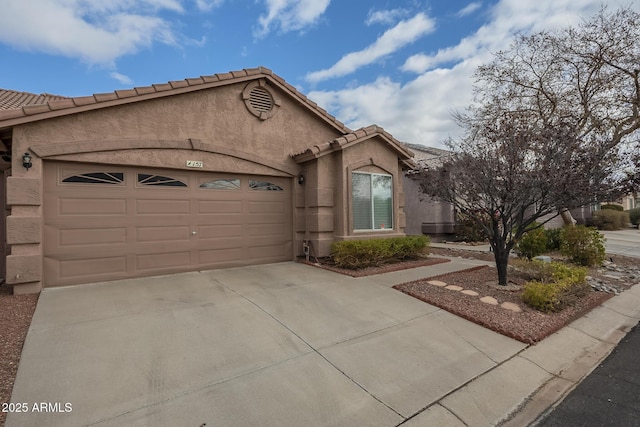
point(528, 326)
point(15, 317)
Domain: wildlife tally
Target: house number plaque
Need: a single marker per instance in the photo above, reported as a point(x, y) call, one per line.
point(195, 163)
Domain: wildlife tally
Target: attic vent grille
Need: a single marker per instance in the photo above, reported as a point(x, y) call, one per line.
point(261, 99)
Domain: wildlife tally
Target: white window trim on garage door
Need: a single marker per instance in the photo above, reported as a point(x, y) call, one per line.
point(159, 221)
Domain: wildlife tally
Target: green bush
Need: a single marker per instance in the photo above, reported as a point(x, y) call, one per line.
point(612, 207)
point(532, 243)
point(556, 286)
point(553, 238)
point(610, 219)
point(583, 245)
point(553, 296)
point(368, 253)
point(634, 216)
point(550, 271)
point(541, 296)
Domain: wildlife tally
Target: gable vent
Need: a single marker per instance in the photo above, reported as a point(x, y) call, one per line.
point(261, 99)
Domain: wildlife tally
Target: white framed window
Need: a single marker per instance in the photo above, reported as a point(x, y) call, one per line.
point(372, 201)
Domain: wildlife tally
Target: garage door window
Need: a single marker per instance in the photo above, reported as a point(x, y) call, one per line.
point(264, 186)
point(372, 201)
point(96, 178)
point(222, 184)
point(159, 181)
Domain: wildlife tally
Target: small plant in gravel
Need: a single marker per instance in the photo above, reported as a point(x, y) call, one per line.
point(556, 285)
point(355, 254)
point(583, 245)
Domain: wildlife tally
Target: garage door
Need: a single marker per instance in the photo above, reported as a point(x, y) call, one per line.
point(107, 222)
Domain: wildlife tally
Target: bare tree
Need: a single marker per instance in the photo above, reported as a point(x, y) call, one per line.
point(587, 77)
point(510, 173)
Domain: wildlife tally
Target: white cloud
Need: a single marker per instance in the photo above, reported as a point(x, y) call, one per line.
point(208, 5)
point(97, 32)
point(125, 80)
point(403, 33)
point(469, 9)
point(389, 16)
point(290, 15)
point(419, 111)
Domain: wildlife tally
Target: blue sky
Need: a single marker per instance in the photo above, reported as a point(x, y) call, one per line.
point(404, 65)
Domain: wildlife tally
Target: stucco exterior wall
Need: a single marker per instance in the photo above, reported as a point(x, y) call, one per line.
point(420, 209)
point(371, 156)
point(213, 126)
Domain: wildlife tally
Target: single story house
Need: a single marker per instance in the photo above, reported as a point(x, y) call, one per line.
point(222, 170)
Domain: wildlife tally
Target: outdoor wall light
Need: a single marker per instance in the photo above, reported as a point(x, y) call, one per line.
point(26, 161)
point(301, 178)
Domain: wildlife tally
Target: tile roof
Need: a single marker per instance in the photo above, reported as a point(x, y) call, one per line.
point(59, 106)
point(353, 138)
point(432, 151)
point(11, 99)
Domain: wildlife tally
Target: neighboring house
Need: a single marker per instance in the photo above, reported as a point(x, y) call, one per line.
point(424, 215)
point(224, 170)
point(630, 201)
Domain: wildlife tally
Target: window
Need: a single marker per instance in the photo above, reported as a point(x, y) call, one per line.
point(264, 185)
point(96, 178)
point(222, 184)
point(159, 180)
point(372, 195)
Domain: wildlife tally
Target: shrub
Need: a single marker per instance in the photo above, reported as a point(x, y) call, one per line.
point(610, 219)
point(551, 271)
point(583, 245)
point(468, 230)
point(634, 216)
point(556, 286)
point(367, 253)
point(553, 238)
point(541, 296)
point(532, 243)
point(552, 296)
point(612, 207)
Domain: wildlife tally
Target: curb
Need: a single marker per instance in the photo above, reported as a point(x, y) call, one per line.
point(544, 399)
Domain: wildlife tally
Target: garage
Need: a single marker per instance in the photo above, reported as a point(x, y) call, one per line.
point(106, 222)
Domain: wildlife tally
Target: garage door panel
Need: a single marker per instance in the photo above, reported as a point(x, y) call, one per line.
point(219, 207)
point(263, 207)
point(92, 206)
point(161, 233)
point(266, 219)
point(160, 207)
point(96, 232)
point(92, 236)
point(219, 256)
point(220, 219)
point(267, 230)
point(219, 231)
point(160, 261)
point(78, 268)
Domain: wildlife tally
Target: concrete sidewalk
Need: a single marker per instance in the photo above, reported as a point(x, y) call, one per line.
point(288, 345)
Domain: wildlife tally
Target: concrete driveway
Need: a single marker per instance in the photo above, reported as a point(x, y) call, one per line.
point(273, 345)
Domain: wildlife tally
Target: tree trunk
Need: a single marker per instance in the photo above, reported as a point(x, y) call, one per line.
point(501, 256)
point(567, 218)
